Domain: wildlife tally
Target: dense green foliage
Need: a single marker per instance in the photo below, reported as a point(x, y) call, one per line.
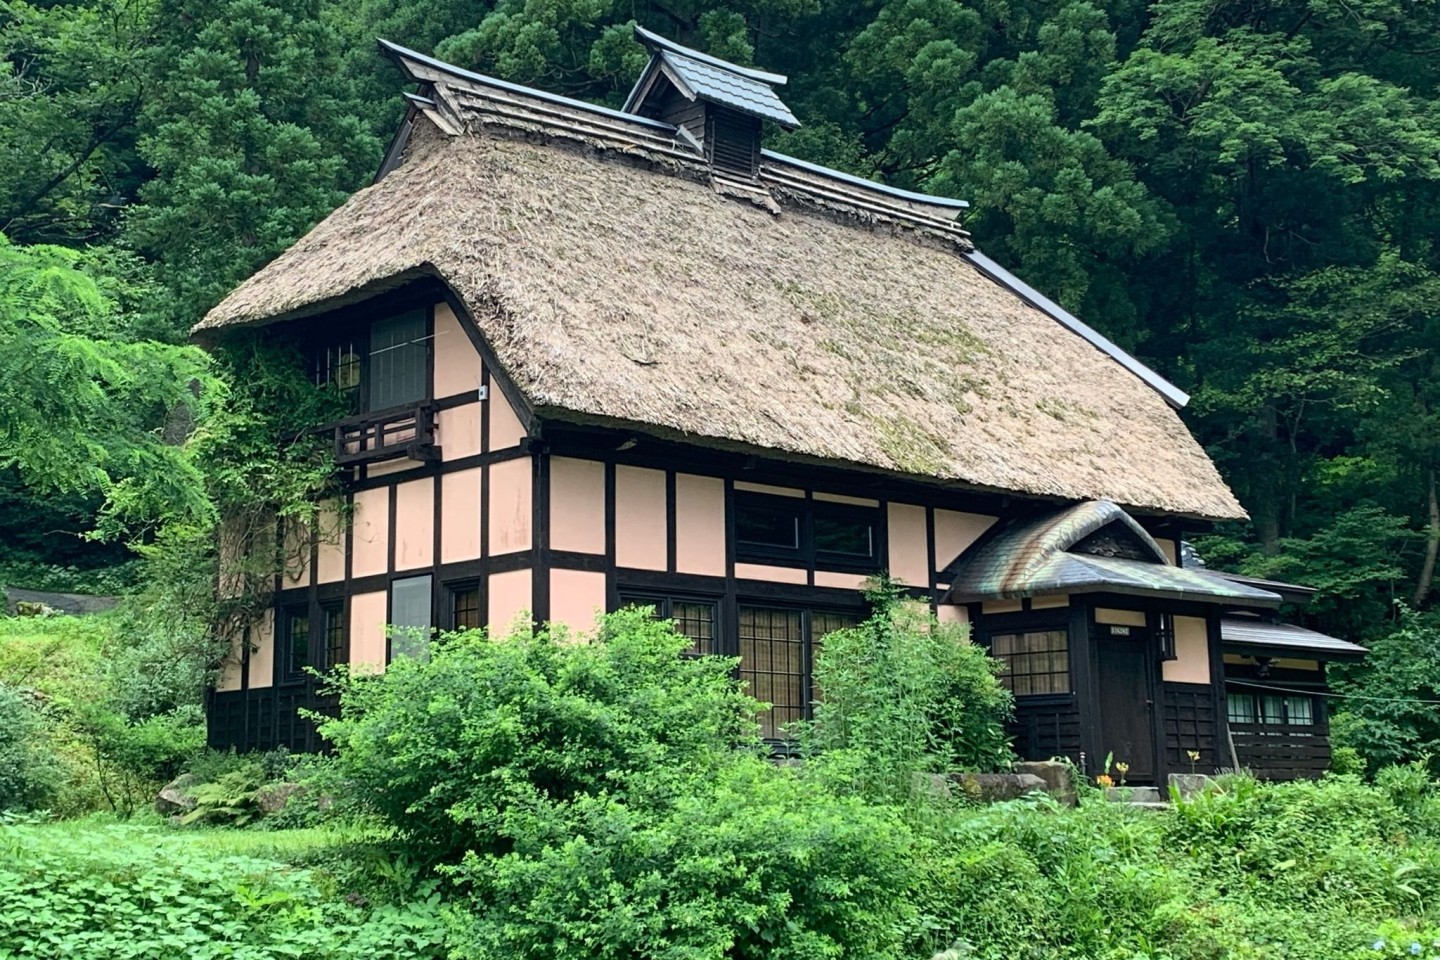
point(102, 892)
point(104, 715)
point(608, 796)
point(1243, 194)
point(476, 744)
point(603, 831)
point(905, 696)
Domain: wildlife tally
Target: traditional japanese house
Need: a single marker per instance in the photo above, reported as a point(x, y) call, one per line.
point(601, 357)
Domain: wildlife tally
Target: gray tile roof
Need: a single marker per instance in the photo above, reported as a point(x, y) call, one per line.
point(1285, 637)
point(731, 89)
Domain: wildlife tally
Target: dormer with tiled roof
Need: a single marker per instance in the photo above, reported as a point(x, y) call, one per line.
point(721, 106)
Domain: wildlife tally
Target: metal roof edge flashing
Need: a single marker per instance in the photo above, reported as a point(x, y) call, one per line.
point(654, 40)
point(928, 200)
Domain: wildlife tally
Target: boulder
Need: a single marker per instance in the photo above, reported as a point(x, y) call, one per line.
point(1058, 775)
point(994, 787)
point(1189, 784)
point(273, 797)
point(174, 798)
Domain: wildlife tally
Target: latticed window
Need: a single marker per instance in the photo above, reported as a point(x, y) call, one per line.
point(772, 664)
point(693, 618)
point(1033, 663)
point(465, 606)
point(1270, 709)
point(297, 642)
point(776, 653)
point(334, 615)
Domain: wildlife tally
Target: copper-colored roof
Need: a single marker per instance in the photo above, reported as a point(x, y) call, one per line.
point(1066, 551)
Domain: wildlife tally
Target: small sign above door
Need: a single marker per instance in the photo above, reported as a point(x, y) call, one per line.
point(1119, 631)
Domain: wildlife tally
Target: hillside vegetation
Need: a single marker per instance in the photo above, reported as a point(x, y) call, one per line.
point(531, 797)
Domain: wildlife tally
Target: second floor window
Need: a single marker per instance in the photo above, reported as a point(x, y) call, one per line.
point(817, 533)
point(399, 358)
point(381, 366)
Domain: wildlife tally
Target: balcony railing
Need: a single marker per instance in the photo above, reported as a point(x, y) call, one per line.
point(387, 435)
point(1282, 751)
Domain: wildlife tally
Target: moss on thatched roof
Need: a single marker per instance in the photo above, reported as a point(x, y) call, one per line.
point(625, 291)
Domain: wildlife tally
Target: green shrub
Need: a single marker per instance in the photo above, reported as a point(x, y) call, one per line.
point(455, 753)
point(905, 695)
point(759, 864)
point(29, 773)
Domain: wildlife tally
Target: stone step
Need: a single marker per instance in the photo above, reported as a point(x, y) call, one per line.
point(1134, 795)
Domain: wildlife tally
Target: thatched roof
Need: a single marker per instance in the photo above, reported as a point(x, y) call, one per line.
point(615, 285)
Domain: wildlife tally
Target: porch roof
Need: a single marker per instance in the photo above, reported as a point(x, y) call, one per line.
point(1087, 548)
point(1246, 635)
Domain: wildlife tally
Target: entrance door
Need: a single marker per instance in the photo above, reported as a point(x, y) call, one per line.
point(1126, 726)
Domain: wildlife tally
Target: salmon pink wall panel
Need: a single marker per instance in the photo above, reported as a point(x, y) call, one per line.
point(367, 631)
point(506, 430)
point(372, 532)
point(457, 365)
point(576, 597)
point(415, 524)
point(458, 432)
point(640, 518)
point(330, 563)
point(1192, 652)
point(510, 516)
point(577, 505)
point(460, 516)
point(699, 525)
point(760, 571)
point(262, 651)
point(909, 545)
point(509, 597)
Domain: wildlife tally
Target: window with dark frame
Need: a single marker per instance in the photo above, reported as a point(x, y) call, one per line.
point(386, 366)
point(1271, 710)
point(777, 647)
point(399, 360)
point(693, 618)
point(297, 643)
point(828, 535)
point(411, 617)
point(333, 616)
point(1033, 662)
point(464, 605)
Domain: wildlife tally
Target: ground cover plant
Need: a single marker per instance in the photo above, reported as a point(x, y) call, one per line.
point(96, 890)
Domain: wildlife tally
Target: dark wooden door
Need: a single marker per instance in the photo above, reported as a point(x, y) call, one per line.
point(1127, 728)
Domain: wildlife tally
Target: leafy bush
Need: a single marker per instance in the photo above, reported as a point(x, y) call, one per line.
point(28, 772)
point(96, 893)
point(110, 743)
point(605, 797)
point(905, 695)
point(758, 865)
point(456, 753)
point(1401, 674)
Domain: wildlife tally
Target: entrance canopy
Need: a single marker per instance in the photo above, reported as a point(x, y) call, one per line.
point(1093, 547)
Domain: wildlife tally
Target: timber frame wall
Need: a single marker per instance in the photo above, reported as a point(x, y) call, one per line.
point(563, 543)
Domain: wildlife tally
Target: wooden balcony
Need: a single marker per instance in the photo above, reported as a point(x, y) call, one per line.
point(407, 433)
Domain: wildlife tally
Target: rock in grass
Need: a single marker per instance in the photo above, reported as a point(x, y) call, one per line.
point(174, 798)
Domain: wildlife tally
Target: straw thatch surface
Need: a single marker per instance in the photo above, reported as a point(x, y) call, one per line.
point(618, 293)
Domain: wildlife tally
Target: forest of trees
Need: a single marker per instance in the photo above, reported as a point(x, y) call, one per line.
point(1244, 193)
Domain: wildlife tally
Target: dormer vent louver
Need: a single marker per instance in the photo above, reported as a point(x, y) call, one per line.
point(718, 105)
